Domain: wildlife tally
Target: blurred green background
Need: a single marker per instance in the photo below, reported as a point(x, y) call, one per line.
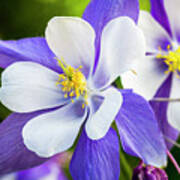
point(28, 18)
point(24, 18)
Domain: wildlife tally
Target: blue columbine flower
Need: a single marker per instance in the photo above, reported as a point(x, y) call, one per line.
point(50, 170)
point(54, 98)
point(158, 75)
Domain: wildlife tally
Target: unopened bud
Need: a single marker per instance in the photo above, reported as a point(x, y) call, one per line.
point(143, 172)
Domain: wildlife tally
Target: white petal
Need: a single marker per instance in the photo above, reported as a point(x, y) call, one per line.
point(54, 132)
point(146, 79)
point(173, 11)
point(122, 44)
point(154, 33)
point(100, 121)
point(72, 39)
point(174, 107)
point(28, 86)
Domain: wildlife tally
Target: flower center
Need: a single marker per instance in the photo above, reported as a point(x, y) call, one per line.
point(172, 60)
point(73, 82)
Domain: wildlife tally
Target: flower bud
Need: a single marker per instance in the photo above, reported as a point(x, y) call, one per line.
point(143, 172)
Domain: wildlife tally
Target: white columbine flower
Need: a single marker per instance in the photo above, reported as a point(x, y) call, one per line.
point(82, 93)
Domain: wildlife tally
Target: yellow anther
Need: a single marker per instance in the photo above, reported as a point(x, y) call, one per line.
point(71, 94)
point(63, 89)
point(172, 60)
point(72, 81)
point(64, 83)
point(133, 71)
point(168, 47)
point(80, 67)
point(83, 105)
point(61, 76)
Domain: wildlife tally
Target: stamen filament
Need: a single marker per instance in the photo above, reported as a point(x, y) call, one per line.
point(73, 82)
point(163, 99)
point(172, 141)
point(171, 59)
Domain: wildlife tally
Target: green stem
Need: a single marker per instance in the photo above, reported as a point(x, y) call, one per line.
point(125, 167)
point(126, 170)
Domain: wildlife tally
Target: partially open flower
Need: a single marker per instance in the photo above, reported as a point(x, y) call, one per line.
point(157, 75)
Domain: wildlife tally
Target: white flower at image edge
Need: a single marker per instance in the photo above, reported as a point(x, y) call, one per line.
point(82, 93)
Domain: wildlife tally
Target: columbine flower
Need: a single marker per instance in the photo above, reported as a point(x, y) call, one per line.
point(51, 170)
point(158, 75)
point(143, 172)
point(57, 94)
point(76, 93)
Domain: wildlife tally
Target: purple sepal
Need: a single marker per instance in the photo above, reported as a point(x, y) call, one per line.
point(159, 13)
point(49, 170)
point(28, 49)
point(14, 156)
point(99, 12)
point(160, 109)
point(139, 131)
point(142, 172)
point(34, 173)
point(98, 159)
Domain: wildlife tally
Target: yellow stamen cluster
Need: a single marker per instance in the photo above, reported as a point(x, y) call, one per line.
point(72, 81)
point(172, 60)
